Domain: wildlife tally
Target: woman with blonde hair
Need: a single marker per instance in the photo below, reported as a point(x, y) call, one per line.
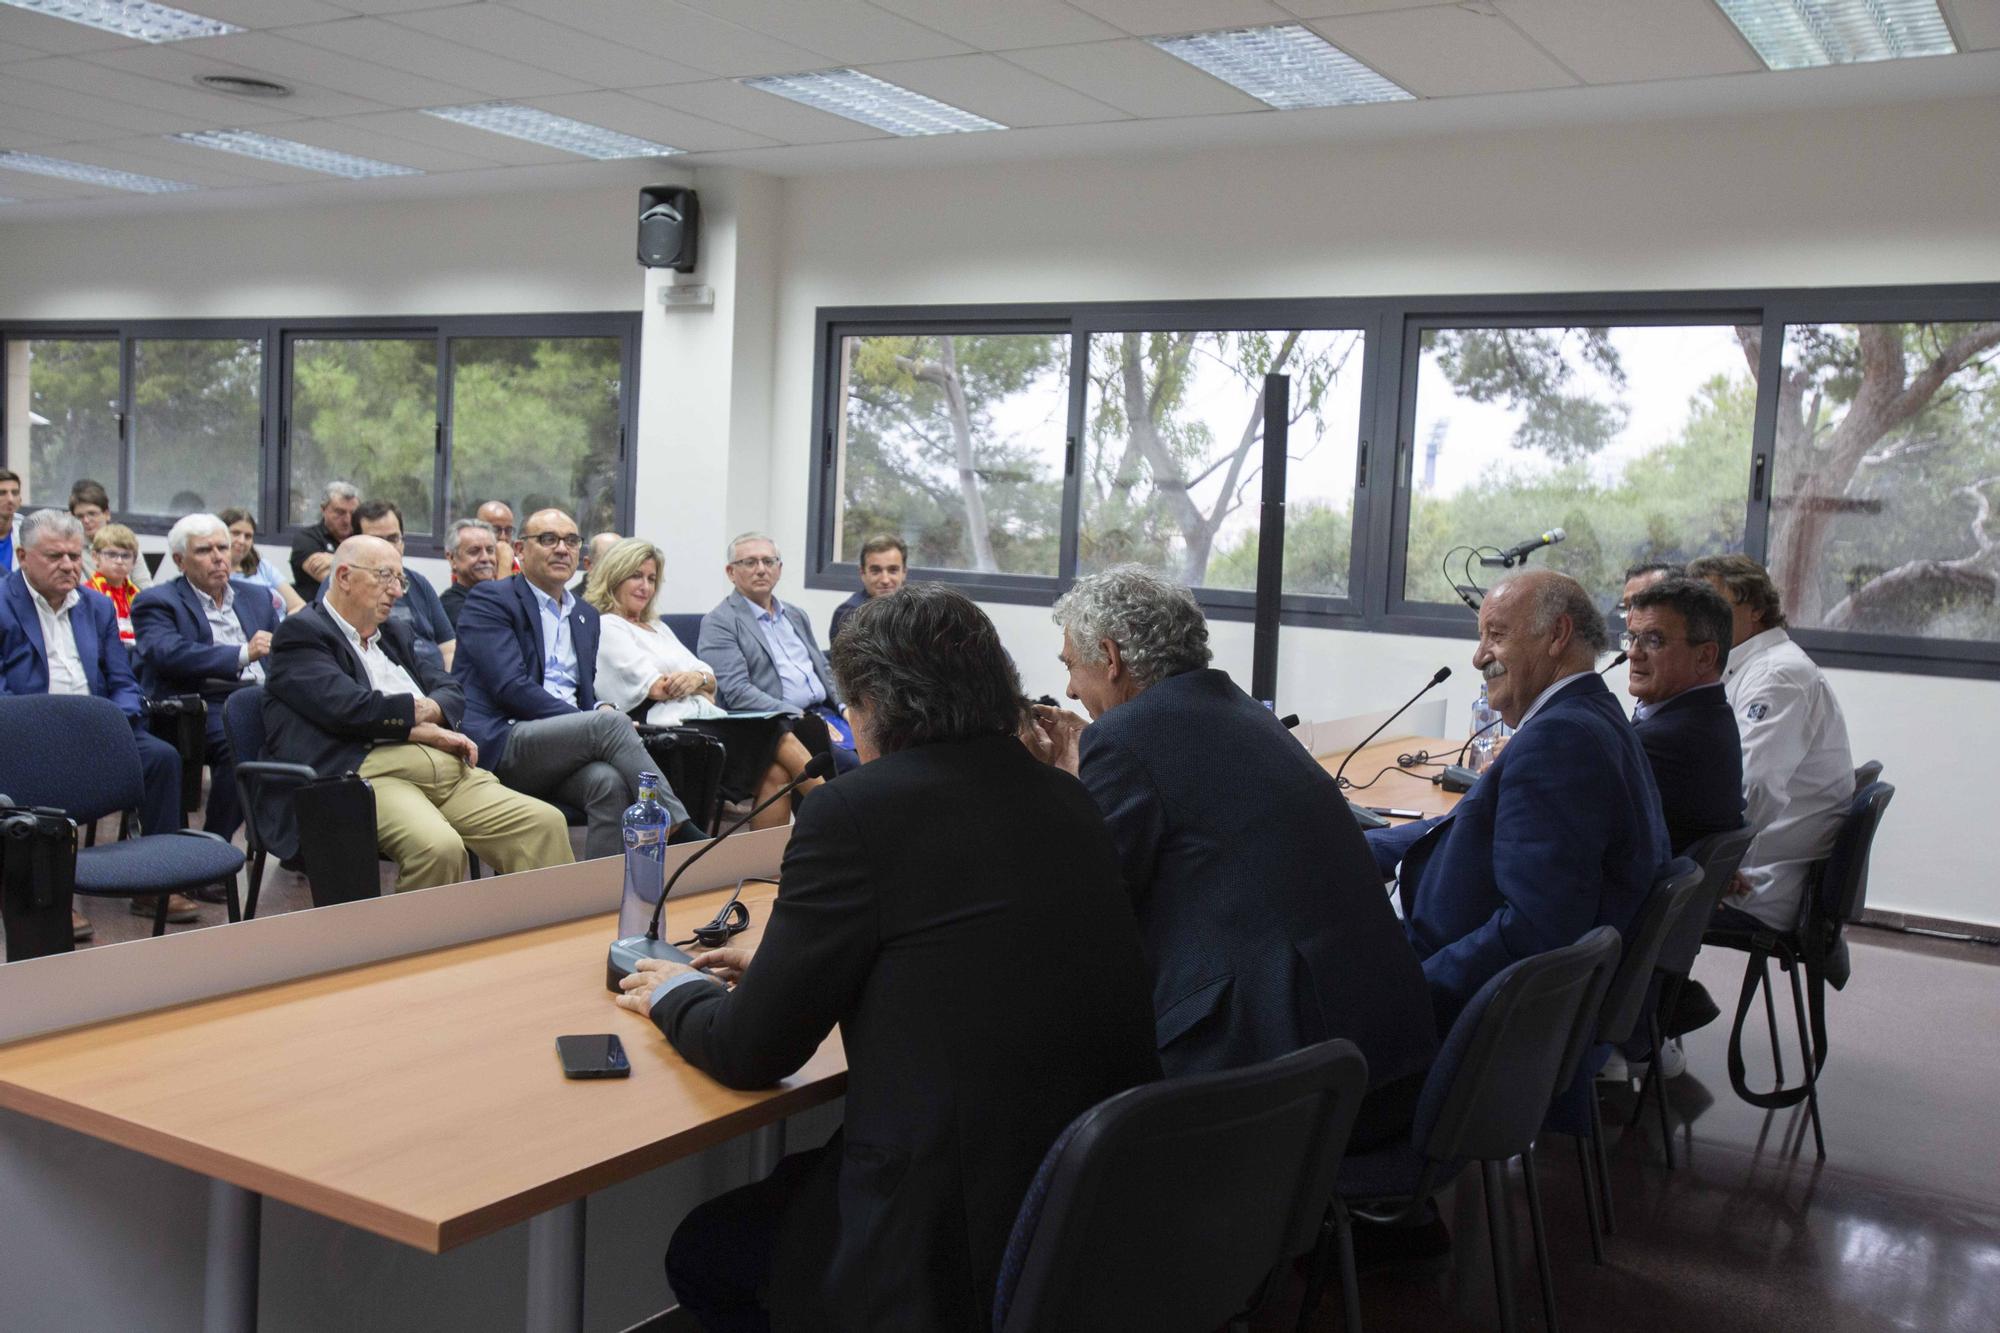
point(114, 553)
point(639, 661)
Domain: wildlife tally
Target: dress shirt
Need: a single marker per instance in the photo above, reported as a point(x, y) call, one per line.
point(1548, 694)
point(1798, 773)
point(631, 657)
point(227, 629)
point(66, 674)
point(558, 645)
point(801, 687)
point(383, 673)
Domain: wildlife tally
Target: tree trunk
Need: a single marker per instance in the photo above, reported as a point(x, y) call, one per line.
point(1143, 435)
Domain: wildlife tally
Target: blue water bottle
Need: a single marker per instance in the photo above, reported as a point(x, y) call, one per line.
point(646, 842)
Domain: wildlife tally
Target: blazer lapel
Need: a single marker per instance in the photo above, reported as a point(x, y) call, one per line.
point(584, 640)
point(83, 626)
point(192, 601)
point(526, 595)
point(16, 589)
point(754, 628)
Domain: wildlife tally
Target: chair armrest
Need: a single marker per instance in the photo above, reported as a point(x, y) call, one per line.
point(270, 768)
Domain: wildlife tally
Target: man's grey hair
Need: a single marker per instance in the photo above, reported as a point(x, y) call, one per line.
point(1555, 595)
point(1159, 629)
point(738, 540)
point(187, 528)
point(460, 526)
point(338, 490)
point(48, 523)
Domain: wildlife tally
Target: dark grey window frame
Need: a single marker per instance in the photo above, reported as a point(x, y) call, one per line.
point(1385, 458)
point(274, 444)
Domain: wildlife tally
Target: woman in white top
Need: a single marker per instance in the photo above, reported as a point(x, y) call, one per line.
point(640, 660)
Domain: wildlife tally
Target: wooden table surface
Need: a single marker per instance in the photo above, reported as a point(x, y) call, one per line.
point(419, 1098)
point(1404, 789)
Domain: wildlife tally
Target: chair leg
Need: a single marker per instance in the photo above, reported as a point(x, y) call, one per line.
point(1350, 1281)
point(228, 887)
point(1493, 1175)
point(1809, 1056)
point(1539, 1231)
point(256, 884)
point(1603, 1168)
point(160, 914)
point(1316, 1272)
point(1588, 1172)
point(1659, 1082)
point(1771, 1019)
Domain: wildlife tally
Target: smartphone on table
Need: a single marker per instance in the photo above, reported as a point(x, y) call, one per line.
point(599, 1055)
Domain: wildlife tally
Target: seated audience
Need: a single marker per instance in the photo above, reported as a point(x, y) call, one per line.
point(1260, 908)
point(640, 662)
point(1644, 576)
point(471, 548)
point(1561, 834)
point(117, 550)
point(58, 638)
point(349, 692)
point(418, 606)
point(250, 566)
point(1798, 774)
point(90, 506)
point(529, 668)
point(499, 516)
point(593, 551)
point(911, 934)
point(885, 563)
point(1678, 632)
point(10, 504)
point(313, 547)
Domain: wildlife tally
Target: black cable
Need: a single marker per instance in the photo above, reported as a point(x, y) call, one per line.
point(727, 924)
point(1364, 786)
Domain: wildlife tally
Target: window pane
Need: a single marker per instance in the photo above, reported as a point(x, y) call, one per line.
point(1176, 438)
point(1887, 466)
point(535, 423)
point(955, 443)
point(1635, 441)
point(62, 415)
point(364, 410)
point(197, 411)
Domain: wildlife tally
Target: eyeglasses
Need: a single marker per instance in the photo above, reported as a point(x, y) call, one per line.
point(758, 562)
point(388, 578)
point(115, 556)
point(1650, 641)
point(548, 541)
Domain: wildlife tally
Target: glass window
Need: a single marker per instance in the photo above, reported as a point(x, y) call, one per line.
point(62, 415)
point(364, 410)
point(197, 410)
point(1887, 470)
point(1172, 470)
point(1635, 440)
point(956, 443)
point(534, 421)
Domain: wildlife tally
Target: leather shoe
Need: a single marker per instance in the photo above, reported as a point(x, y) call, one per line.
point(80, 928)
point(179, 907)
point(214, 893)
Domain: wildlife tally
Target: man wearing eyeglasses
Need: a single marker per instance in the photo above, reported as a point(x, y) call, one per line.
point(418, 606)
point(499, 515)
point(527, 657)
point(1677, 632)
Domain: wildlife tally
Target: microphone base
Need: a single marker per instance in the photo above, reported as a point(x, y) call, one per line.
point(1365, 817)
point(1458, 778)
point(626, 953)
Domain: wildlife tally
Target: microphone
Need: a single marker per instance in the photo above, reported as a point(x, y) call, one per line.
point(1616, 661)
point(1443, 673)
point(1514, 555)
point(1288, 721)
point(626, 953)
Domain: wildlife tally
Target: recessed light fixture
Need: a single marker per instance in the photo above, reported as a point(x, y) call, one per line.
point(291, 153)
point(241, 85)
point(552, 131)
point(130, 18)
point(1799, 34)
point(87, 174)
point(1289, 66)
point(873, 101)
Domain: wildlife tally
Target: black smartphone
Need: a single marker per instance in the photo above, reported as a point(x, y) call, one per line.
point(600, 1055)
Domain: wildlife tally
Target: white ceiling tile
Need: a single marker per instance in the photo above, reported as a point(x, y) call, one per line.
point(684, 35)
point(423, 54)
point(1662, 39)
point(1445, 51)
point(988, 86)
point(346, 136)
point(455, 138)
point(1154, 18)
point(178, 66)
point(149, 157)
point(504, 31)
point(1319, 9)
point(650, 120)
point(394, 6)
point(1976, 23)
point(83, 107)
point(179, 99)
point(728, 102)
point(21, 125)
point(849, 32)
point(287, 61)
point(190, 162)
point(1005, 25)
point(10, 52)
point(256, 14)
point(1137, 78)
point(39, 32)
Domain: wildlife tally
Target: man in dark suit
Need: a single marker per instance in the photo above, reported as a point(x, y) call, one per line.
point(59, 638)
point(913, 935)
point(885, 563)
point(1263, 917)
point(1561, 834)
point(350, 692)
point(527, 657)
point(200, 631)
point(1677, 632)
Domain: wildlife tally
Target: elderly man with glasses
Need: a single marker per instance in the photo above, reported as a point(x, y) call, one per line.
point(527, 658)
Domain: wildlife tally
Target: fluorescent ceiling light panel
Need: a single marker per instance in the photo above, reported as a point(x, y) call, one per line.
point(1289, 66)
point(87, 174)
point(305, 156)
point(552, 131)
point(1798, 34)
point(130, 18)
point(873, 101)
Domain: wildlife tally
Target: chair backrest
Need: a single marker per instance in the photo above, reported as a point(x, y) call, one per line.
point(1718, 855)
point(1166, 1207)
point(73, 752)
point(1867, 773)
point(243, 723)
point(1624, 1004)
point(1510, 1050)
point(686, 628)
point(1842, 891)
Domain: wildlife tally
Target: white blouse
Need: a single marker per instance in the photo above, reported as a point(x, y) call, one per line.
point(631, 657)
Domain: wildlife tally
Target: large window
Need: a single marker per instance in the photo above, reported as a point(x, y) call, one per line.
point(197, 412)
point(537, 422)
point(62, 414)
point(364, 411)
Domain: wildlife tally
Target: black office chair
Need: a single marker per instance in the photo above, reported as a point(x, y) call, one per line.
point(1836, 894)
point(37, 881)
point(1867, 773)
point(1179, 1205)
point(692, 765)
point(256, 776)
point(1511, 1050)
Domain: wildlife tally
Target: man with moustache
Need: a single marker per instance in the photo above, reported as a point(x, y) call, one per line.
point(473, 552)
point(312, 548)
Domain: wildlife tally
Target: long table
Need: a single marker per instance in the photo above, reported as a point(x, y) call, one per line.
point(1400, 788)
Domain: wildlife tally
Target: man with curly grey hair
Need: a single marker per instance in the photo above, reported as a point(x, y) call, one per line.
point(1263, 918)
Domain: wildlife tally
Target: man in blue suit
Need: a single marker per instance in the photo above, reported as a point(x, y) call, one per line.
point(1677, 632)
point(198, 634)
point(527, 658)
point(59, 638)
point(1561, 834)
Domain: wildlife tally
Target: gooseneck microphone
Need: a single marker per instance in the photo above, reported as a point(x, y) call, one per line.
point(1339, 779)
point(626, 953)
point(1514, 555)
point(1616, 661)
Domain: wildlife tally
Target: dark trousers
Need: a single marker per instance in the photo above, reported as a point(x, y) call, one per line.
point(225, 807)
point(160, 769)
point(721, 1260)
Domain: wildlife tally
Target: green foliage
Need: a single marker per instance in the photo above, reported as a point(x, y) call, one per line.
point(73, 384)
point(1535, 370)
point(197, 409)
point(364, 411)
point(535, 421)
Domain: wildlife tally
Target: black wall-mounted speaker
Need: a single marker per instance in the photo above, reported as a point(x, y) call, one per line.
point(669, 227)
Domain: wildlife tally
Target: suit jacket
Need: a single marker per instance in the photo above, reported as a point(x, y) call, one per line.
point(499, 662)
point(321, 711)
point(1261, 910)
point(842, 612)
point(1697, 757)
point(921, 896)
point(746, 677)
point(177, 649)
point(24, 657)
point(1561, 834)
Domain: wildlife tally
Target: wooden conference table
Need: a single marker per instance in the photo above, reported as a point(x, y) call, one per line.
point(1400, 788)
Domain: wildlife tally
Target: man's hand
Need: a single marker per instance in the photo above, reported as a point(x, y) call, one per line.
point(636, 990)
point(260, 644)
point(451, 742)
point(1063, 732)
point(318, 564)
point(724, 965)
point(1739, 887)
point(428, 711)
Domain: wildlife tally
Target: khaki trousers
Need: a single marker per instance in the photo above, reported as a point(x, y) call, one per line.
point(429, 807)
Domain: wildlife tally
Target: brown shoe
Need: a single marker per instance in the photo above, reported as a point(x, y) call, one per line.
point(80, 928)
point(179, 908)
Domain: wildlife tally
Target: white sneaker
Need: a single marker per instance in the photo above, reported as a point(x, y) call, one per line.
point(1615, 1069)
point(1673, 1060)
